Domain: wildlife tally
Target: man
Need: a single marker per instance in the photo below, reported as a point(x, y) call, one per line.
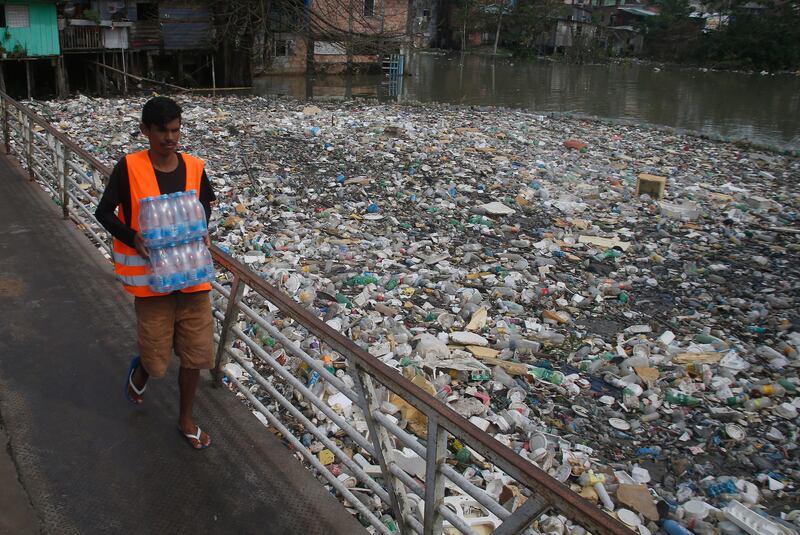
point(181, 320)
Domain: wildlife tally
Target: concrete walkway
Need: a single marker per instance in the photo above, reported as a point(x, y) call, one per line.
point(81, 458)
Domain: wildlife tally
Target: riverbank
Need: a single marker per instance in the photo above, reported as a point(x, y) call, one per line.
point(504, 260)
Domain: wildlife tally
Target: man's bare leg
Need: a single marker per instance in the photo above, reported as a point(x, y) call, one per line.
point(188, 379)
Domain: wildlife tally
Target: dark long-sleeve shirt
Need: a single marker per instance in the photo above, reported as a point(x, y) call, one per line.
point(118, 193)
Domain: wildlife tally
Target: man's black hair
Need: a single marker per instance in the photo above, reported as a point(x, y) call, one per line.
point(158, 111)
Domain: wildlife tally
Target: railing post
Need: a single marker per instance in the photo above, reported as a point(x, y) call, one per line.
point(65, 182)
point(225, 341)
point(383, 445)
point(31, 175)
point(436, 454)
point(6, 135)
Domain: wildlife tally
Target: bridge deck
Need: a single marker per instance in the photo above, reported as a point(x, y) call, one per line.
point(89, 461)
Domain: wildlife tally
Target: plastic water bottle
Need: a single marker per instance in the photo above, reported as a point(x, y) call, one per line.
point(675, 528)
point(775, 390)
point(194, 269)
point(757, 404)
point(176, 267)
point(160, 278)
point(179, 203)
point(205, 264)
point(187, 263)
point(521, 345)
point(166, 214)
point(149, 224)
point(197, 214)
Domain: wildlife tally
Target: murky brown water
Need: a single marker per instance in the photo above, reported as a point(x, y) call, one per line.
point(762, 109)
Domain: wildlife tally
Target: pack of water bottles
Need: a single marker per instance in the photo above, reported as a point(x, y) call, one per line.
point(172, 218)
point(180, 265)
point(173, 227)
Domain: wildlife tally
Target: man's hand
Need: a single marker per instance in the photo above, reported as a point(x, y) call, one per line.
point(207, 240)
point(138, 242)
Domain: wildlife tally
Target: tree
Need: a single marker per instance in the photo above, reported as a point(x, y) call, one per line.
point(672, 34)
point(533, 22)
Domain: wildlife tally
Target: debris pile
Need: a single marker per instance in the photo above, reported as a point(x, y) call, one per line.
point(615, 304)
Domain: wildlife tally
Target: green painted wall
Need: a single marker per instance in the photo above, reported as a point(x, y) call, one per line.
point(40, 38)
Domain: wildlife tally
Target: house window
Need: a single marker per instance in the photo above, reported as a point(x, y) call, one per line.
point(283, 48)
point(2, 16)
point(427, 14)
point(369, 8)
point(147, 11)
point(17, 16)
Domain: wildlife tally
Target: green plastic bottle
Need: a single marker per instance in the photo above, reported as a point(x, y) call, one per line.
point(392, 284)
point(344, 300)
point(548, 376)
point(679, 398)
point(788, 385)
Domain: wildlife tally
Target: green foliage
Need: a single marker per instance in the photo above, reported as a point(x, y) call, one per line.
point(92, 15)
point(18, 51)
point(753, 38)
point(767, 39)
point(532, 22)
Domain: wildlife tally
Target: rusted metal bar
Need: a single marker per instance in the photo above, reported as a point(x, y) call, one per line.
point(6, 134)
point(30, 148)
point(65, 181)
point(533, 508)
point(382, 444)
point(225, 338)
point(435, 453)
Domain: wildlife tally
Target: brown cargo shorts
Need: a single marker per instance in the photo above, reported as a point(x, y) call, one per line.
point(179, 321)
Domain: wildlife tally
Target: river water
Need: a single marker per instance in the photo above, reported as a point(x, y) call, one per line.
point(764, 109)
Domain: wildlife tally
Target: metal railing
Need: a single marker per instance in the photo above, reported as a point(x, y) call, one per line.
point(402, 474)
point(81, 38)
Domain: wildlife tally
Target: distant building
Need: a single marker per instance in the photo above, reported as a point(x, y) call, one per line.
point(334, 38)
point(164, 40)
point(30, 56)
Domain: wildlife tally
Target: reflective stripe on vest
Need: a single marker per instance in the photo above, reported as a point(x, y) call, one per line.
point(129, 260)
point(132, 270)
point(135, 280)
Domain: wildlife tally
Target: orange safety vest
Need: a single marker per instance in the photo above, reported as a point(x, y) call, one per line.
point(132, 270)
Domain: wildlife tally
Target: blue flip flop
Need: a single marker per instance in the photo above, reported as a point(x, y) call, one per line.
point(129, 383)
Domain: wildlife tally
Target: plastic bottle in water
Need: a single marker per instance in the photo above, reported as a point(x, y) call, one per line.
point(178, 201)
point(679, 398)
point(519, 344)
point(757, 404)
point(548, 376)
point(773, 390)
point(160, 278)
point(149, 225)
point(722, 487)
